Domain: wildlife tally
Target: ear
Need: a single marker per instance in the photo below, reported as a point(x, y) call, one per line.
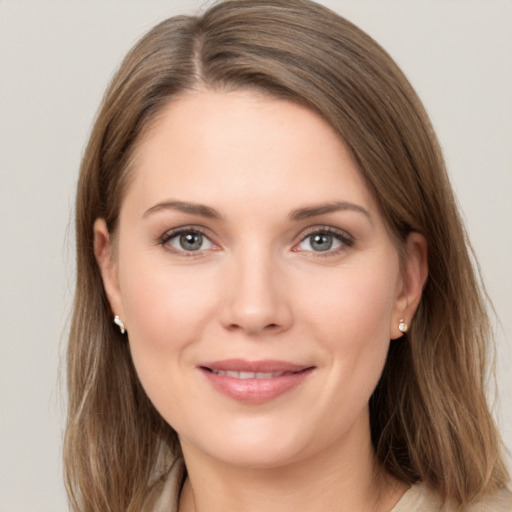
point(414, 276)
point(108, 266)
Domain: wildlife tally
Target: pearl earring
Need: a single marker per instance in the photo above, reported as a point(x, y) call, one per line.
point(402, 326)
point(120, 323)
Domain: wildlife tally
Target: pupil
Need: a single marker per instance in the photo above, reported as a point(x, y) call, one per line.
point(191, 241)
point(321, 242)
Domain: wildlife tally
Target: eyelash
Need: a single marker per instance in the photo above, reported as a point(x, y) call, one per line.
point(193, 230)
point(346, 240)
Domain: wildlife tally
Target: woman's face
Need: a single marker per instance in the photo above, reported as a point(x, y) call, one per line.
point(256, 279)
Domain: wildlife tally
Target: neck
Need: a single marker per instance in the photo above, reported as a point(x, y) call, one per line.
point(340, 478)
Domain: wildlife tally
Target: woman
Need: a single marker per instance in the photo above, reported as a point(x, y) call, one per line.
point(275, 306)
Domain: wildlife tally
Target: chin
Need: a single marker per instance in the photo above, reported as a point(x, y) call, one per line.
point(257, 456)
point(254, 444)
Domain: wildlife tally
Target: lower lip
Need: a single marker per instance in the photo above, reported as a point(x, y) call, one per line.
point(256, 391)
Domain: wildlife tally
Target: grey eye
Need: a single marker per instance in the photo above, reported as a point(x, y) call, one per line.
point(191, 241)
point(321, 242)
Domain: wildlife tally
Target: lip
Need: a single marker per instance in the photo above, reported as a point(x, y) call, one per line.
point(254, 382)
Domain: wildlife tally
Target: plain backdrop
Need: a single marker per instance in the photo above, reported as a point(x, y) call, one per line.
point(56, 57)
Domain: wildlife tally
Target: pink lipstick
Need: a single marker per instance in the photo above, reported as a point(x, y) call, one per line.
point(254, 381)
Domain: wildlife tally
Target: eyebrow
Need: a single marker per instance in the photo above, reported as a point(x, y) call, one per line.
point(305, 212)
point(323, 208)
point(185, 207)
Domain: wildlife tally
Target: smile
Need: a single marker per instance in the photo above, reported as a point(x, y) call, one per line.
point(254, 382)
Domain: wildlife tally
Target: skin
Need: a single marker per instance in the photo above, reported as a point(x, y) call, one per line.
point(258, 288)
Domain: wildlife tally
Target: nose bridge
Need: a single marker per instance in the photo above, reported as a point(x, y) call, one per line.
point(255, 299)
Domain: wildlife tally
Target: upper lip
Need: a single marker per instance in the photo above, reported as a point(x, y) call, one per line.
point(261, 366)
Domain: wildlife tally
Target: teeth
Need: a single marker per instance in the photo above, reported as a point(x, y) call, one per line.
point(248, 375)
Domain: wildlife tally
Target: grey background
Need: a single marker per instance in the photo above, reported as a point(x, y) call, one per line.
point(56, 57)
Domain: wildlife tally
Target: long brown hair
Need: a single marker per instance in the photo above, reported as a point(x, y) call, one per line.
point(429, 416)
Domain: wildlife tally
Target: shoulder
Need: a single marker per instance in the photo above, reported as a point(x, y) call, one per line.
point(420, 498)
point(500, 502)
point(164, 496)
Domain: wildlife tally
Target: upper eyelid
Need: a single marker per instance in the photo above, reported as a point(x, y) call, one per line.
point(324, 229)
point(171, 233)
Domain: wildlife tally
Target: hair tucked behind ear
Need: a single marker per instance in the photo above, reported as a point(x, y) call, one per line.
point(429, 416)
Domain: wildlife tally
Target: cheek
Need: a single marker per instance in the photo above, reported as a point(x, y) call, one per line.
point(165, 312)
point(163, 304)
point(350, 317)
point(359, 302)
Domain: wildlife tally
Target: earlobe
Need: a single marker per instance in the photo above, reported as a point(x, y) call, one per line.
point(107, 265)
point(415, 273)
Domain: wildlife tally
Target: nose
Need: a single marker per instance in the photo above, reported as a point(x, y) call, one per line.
point(256, 301)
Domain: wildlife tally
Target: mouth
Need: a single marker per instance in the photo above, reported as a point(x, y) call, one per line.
point(254, 382)
point(249, 375)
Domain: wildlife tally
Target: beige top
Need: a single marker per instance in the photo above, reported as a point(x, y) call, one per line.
point(419, 498)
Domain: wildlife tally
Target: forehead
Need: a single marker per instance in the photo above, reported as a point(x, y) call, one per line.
point(245, 145)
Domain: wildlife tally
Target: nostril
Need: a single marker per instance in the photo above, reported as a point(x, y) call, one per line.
point(268, 327)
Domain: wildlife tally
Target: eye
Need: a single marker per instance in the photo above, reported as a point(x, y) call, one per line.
point(324, 240)
point(187, 240)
